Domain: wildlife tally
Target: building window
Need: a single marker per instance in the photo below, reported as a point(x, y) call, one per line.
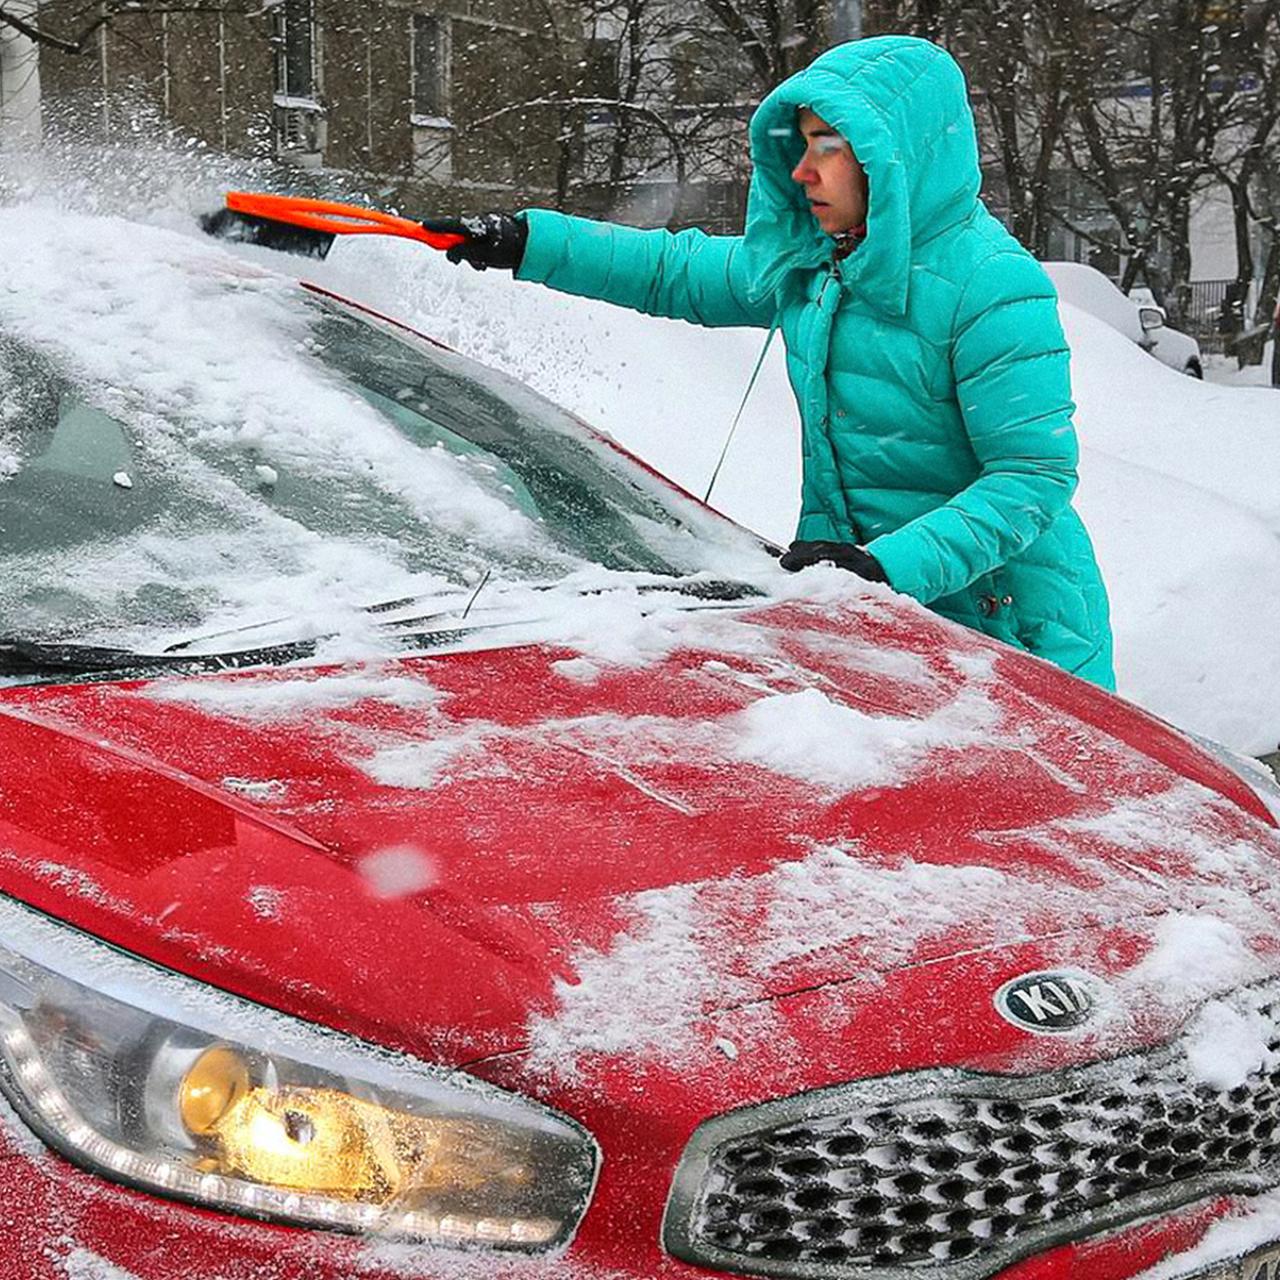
point(430, 69)
point(295, 49)
point(299, 117)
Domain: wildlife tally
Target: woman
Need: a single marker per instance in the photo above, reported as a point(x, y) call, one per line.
point(923, 343)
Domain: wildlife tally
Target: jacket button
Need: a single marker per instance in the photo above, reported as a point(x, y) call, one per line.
point(987, 605)
point(841, 413)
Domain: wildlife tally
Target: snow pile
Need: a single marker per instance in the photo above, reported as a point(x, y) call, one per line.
point(1180, 488)
point(1193, 957)
point(1227, 1045)
point(423, 766)
point(809, 737)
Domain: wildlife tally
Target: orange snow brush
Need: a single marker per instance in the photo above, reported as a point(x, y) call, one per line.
point(293, 224)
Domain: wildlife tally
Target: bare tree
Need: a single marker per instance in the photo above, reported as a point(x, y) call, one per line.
point(1179, 90)
point(78, 27)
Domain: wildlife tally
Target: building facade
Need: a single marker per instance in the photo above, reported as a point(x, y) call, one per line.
point(445, 106)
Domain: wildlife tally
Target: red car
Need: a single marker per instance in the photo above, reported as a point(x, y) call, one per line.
point(432, 845)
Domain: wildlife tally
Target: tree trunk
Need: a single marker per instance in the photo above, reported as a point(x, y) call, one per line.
point(1178, 299)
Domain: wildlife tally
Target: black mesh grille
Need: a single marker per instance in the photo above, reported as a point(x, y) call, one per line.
point(965, 1174)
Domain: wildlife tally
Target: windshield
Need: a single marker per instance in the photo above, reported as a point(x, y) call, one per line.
point(361, 464)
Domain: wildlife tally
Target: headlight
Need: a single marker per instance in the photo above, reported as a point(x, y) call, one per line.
point(1253, 773)
point(160, 1082)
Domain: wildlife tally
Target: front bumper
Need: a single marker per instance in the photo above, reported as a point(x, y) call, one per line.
point(59, 1221)
point(956, 1175)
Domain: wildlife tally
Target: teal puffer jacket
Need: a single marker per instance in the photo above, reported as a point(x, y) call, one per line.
point(929, 366)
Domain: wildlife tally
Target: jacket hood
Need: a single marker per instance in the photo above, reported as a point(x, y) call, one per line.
point(903, 106)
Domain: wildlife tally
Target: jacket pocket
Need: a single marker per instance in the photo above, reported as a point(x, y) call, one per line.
point(996, 607)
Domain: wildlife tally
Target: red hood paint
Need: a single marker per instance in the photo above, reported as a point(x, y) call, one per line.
point(233, 848)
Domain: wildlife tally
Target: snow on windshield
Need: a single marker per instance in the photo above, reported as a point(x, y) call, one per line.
point(189, 350)
point(180, 332)
point(236, 475)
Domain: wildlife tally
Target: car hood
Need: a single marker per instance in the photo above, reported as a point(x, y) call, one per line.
point(477, 852)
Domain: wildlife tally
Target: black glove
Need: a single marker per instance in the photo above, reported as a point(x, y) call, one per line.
point(492, 239)
point(844, 555)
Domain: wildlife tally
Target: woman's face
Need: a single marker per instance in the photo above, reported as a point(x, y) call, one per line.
point(835, 184)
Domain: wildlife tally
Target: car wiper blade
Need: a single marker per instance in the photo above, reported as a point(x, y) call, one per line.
point(42, 663)
point(40, 660)
point(37, 658)
point(722, 590)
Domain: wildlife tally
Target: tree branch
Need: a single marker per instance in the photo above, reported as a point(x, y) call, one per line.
point(78, 44)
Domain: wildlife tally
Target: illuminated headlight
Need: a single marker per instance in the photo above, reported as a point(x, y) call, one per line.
point(157, 1081)
point(1253, 773)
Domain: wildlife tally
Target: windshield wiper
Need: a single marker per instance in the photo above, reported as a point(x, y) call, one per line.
point(711, 589)
point(42, 661)
point(36, 658)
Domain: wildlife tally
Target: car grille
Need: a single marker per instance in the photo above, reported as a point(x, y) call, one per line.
point(951, 1174)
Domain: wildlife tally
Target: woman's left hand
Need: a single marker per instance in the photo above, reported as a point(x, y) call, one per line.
point(844, 555)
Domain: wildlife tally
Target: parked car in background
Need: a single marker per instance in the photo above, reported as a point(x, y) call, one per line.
point(434, 846)
point(1141, 321)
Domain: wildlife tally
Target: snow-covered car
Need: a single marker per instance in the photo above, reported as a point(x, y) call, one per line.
point(432, 845)
point(1143, 324)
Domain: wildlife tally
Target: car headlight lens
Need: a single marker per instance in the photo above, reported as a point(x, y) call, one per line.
point(1253, 773)
point(160, 1082)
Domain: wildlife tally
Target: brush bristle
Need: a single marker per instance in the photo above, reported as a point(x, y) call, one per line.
point(267, 233)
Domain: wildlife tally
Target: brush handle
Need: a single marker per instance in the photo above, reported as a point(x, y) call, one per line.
point(336, 219)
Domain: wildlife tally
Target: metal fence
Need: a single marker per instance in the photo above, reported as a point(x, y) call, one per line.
point(1203, 318)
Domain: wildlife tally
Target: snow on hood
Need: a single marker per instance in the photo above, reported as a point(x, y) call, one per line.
point(652, 838)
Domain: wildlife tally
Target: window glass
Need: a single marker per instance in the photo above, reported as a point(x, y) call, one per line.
point(295, 67)
point(118, 523)
point(429, 97)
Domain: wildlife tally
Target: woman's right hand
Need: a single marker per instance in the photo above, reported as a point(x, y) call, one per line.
point(489, 239)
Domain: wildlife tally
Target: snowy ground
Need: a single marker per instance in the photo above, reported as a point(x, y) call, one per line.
point(1223, 369)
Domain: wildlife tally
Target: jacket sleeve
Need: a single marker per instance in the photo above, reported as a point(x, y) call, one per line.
point(685, 275)
point(1012, 375)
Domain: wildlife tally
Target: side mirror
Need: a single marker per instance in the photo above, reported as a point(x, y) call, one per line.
point(1150, 318)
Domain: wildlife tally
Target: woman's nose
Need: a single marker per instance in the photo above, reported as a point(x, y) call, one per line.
point(803, 172)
